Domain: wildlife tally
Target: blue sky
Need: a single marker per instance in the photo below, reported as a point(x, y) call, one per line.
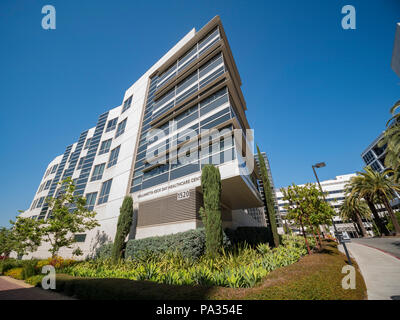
point(314, 91)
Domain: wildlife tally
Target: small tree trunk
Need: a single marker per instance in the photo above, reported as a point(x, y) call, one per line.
point(319, 237)
point(382, 228)
point(315, 238)
point(305, 237)
point(392, 216)
point(361, 224)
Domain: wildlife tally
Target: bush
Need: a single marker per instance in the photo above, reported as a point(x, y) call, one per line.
point(190, 244)
point(390, 222)
point(15, 273)
point(8, 264)
point(56, 262)
point(123, 227)
point(251, 235)
point(35, 280)
point(211, 212)
point(29, 268)
point(242, 266)
point(105, 251)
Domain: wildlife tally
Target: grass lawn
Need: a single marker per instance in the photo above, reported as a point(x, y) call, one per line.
point(315, 277)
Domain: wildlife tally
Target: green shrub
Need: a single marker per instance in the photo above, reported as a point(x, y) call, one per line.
point(241, 266)
point(8, 264)
point(211, 212)
point(35, 280)
point(29, 268)
point(104, 251)
point(123, 227)
point(190, 244)
point(389, 225)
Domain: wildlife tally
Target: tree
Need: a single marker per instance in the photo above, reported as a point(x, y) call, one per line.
point(211, 212)
point(391, 140)
point(361, 188)
point(306, 207)
point(375, 185)
point(296, 208)
point(6, 242)
point(68, 216)
point(320, 212)
point(123, 227)
point(355, 209)
point(269, 199)
point(26, 235)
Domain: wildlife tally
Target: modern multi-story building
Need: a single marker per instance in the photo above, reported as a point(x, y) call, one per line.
point(335, 194)
point(194, 87)
point(396, 51)
point(374, 156)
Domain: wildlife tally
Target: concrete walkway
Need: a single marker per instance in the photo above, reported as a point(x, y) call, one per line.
point(12, 289)
point(381, 271)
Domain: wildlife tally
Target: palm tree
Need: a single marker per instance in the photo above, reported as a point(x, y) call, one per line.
point(355, 209)
point(372, 185)
point(391, 140)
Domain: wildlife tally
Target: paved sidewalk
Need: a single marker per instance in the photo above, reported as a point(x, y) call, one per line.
point(380, 270)
point(12, 289)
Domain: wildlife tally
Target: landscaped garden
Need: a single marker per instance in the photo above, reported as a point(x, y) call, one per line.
point(206, 263)
point(241, 273)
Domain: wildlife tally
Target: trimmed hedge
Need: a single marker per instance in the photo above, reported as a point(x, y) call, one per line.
point(191, 244)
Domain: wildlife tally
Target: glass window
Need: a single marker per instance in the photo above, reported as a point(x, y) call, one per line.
point(112, 124)
point(127, 104)
point(105, 146)
point(105, 191)
point(80, 163)
point(210, 65)
point(98, 172)
point(34, 204)
point(40, 202)
point(80, 237)
point(53, 170)
point(113, 157)
point(208, 41)
point(48, 182)
point(87, 144)
point(121, 128)
point(91, 200)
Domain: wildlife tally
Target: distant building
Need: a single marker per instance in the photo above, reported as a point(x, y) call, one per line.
point(335, 189)
point(396, 52)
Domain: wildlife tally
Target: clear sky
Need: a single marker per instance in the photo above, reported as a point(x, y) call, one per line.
point(314, 91)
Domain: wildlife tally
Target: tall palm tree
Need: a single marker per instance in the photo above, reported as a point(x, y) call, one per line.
point(391, 140)
point(372, 185)
point(355, 209)
point(358, 189)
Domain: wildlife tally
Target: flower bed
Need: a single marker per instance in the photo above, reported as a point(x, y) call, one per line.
point(243, 266)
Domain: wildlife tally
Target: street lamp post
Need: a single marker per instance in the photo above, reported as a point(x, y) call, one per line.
point(321, 165)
